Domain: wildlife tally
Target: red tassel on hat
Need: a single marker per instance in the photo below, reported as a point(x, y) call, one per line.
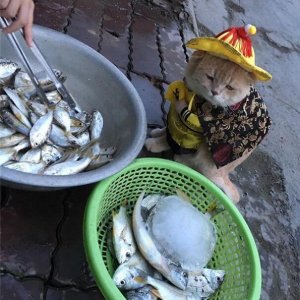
point(241, 35)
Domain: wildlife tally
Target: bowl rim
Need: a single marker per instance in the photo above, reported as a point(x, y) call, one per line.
point(17, 178)
point(90, 236)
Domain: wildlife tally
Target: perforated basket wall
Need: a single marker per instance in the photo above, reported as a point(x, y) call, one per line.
point(235, 251)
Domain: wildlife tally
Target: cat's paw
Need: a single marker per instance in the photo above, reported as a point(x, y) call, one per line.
point(156, 145)
point(151, 145)
point(158, 132)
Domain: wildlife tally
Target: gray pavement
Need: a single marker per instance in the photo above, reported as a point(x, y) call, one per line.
point(42, 254)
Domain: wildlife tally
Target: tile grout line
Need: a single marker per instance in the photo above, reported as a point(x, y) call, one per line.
point(68, 19)
point(163, 72)
point(58, 244)
point(130, 37)
point(100, 36)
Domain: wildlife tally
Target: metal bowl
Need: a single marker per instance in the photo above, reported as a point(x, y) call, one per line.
point(95, 83)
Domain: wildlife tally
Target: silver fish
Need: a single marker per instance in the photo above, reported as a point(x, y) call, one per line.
point(33, 117)
point(4, 101)
point(27, 167)
point(123, 239)
point(68, 167)
point(143, 293)
point(126, 272)
point(11, 140)
point(214, 277)
point(55, 98)
point(17, 100)
point(62, 117)
point(41, 129)
point(6, 154)
point(164, 290)
point(32, 155)
point(38, 108)
point(24, 85)
point(19, 115)
point(206, 281)
point(172, 272)
point(50, 154)
point(5, 130)
point(7, 68)
point(99, 161)
point(96, 125)
point(80, 140)
point(59, 137)
point(13, 122)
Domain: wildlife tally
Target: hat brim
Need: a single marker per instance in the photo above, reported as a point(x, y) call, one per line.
point(222, 49)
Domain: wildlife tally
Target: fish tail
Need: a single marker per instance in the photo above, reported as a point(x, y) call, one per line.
point(156, 293)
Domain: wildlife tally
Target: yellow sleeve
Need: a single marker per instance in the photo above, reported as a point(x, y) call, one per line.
point(176, 91)
point(190, 118)
point(194, 120)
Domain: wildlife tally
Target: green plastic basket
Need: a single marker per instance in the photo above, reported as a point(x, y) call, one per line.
point(235, 252)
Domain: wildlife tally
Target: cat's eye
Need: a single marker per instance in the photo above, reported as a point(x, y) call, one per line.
point(229, 87)
point(209, 77)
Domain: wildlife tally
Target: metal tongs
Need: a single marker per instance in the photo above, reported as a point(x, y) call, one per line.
point(40, 58)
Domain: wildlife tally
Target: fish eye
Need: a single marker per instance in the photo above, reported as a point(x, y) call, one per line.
point(184, 274)
point(122, 282)
point(209, 77)
point(229, 87)
point(127, 254)
point(218, 278)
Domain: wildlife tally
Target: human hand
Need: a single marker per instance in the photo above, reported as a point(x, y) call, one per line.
point(22, 10)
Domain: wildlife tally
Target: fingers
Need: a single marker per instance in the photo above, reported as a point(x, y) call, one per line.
point(23, 9)
point(3, 4)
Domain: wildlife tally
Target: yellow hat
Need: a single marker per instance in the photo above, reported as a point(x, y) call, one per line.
point(235, 45)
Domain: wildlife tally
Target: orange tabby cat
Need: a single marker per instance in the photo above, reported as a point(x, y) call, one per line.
point(216, 118)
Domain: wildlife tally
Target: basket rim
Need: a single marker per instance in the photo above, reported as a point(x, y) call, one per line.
point(90, 236)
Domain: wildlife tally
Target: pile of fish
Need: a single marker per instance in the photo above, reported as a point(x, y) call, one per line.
point(163, 250)
point(46, 138)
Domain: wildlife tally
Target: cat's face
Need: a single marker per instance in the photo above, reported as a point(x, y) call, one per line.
point(219, 81)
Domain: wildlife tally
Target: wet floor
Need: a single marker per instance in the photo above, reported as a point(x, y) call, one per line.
point(42, 254)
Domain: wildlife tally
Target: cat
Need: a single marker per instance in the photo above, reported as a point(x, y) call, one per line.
point(221, 86)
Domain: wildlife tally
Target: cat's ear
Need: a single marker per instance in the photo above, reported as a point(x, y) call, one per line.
point(252, 77)
point(198, 54)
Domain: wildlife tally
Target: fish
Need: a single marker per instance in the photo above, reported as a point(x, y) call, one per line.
point(41, 130)
point(214, 277)
point(10, 120)
point(164, 290)
point(11, 140)
point(96, 125)
point(174, 273)
point(123, 239)
point(5, 130)
point(143, 293)
point(7, 69)
point(62, 117)
point(6, 154)
point(61, 133)
point(32, 155)
point(27, 167)
point(50, 154)
point(99, 161)
point(19, 115)
point(59, 137)
point(126, 272)
point(206, 281)
point(17, 100)
point(68, 167)
point(4, 102)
